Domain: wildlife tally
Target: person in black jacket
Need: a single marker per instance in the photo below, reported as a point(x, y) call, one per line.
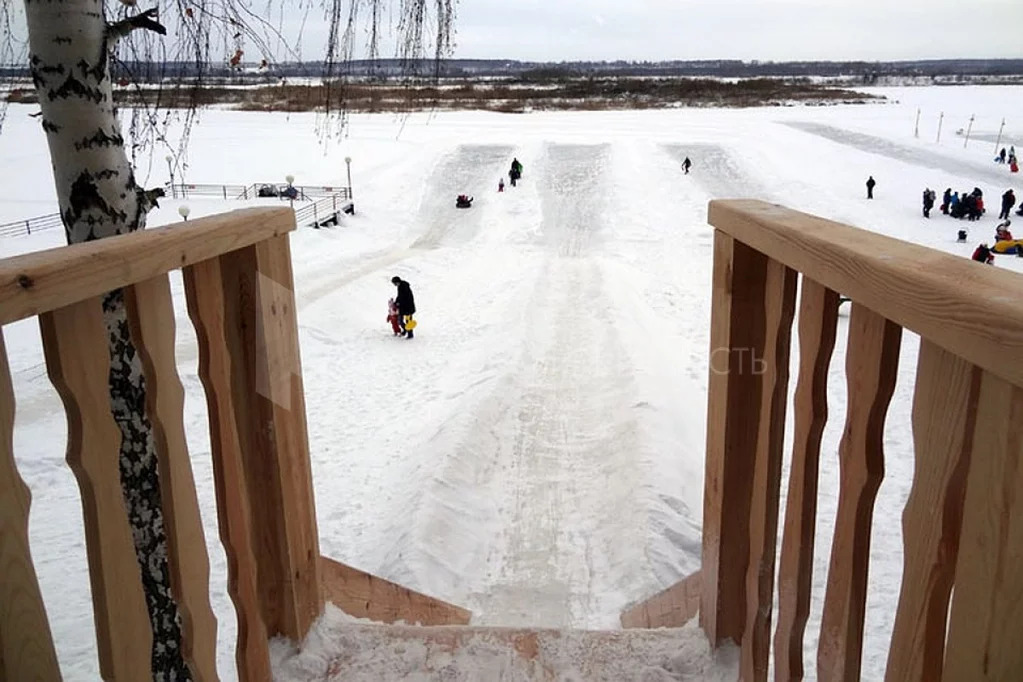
point(406, 304)
point(870, 187)
point(1008, 201)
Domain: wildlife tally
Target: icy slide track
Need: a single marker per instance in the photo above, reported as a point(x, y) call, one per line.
point(561, 408)
point(528, 497)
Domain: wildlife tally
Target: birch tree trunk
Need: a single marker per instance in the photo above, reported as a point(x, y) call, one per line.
point(69, 56)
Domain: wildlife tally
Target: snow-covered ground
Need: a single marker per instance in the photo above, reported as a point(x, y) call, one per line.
point(536, 453)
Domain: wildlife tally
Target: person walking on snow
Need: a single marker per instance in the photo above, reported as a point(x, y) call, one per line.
point(393, 316)
point(686, 165)
point(516, 171)
point(500, 184)
point(1008, 201)
point(870, 187)
point(406, 305)
point(1001, 156)
point(928, 201)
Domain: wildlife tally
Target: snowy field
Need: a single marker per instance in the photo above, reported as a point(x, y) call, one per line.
point(536, 453)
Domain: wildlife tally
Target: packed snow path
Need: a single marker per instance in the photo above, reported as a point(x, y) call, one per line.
point(996, 176)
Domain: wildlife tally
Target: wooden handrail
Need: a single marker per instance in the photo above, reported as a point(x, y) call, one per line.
point(959, 305)
point(39, 282)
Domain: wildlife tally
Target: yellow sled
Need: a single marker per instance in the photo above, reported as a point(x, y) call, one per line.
point(410, 323)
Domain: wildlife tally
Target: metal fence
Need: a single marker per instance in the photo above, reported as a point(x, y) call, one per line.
point(258, 190)
point(30, 225)
point(325, 212)
point(328, 203)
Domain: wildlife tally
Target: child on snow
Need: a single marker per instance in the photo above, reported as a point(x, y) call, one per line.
point(392, 316)
point(983, 255)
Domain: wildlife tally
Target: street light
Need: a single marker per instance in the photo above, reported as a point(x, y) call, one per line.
point(183, 211)
point(290, 192)
point(170, 171)
point(348, 162)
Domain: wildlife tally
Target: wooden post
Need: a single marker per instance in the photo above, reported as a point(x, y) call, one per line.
point(26, 644)
point(151, 316)
point(778, 302)
point(204, 291)
point(733, 414)
point(986, 617)
point(944, 420)
point(78, 362)
point(872, 359)
point(261, 338)
point(818, 319)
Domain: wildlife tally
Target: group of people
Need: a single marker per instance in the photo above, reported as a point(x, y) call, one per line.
point(966, 205)
point(514, 173)
point(1009, 158)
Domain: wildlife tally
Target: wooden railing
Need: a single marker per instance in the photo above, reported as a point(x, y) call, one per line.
point(239, 291)
point(960, 607)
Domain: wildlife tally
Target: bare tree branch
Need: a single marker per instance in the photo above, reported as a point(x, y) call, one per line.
point(146, 21)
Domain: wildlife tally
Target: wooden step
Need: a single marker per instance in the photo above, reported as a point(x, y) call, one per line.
point(340, 648)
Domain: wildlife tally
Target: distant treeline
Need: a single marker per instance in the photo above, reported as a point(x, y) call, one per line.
point(389, 69)
point(584, 93)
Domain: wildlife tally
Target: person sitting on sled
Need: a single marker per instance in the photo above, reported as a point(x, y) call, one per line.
point(1002, 233)
point(983, 254)
point(393, 316)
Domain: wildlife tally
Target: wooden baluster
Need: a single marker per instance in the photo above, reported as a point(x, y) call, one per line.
point(872, 359)
point(733, 415)
point(771, 362)
point(78, 362)
point(818, 318)
point(261, 336)
point(944, 419)
point(151, 315)
point(986, 618)
point(26, 645)
point(204, 290)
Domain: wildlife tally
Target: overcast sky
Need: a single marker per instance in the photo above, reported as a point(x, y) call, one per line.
point(554, 30)
point(569, 30)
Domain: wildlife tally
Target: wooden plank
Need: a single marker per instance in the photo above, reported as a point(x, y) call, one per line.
point(962, 307)
point(204, 292)
point(45, 280)
point(733, 414)
point(872, 359)
point(670, 608)
point(26, 645)
point(818, 319)
point(151, 316)
point(944, 419)
point(778, 301)
point(78, 362)
point(363, 595)
point(262, 337)
point(986, 617)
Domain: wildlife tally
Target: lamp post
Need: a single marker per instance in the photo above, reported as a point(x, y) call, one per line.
point(348, 162)
point(183, 211)
point(290, 191)
point(968, 129)
point(999, 140)
point(170, 171)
